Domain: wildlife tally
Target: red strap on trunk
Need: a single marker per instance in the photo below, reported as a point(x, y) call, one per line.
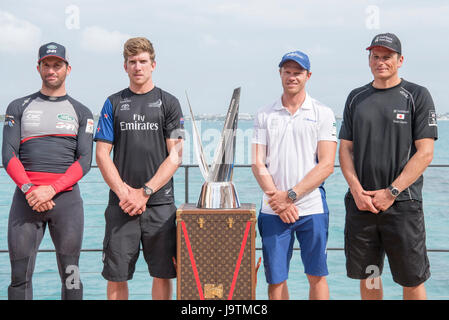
point(239, 260)
point(192, 261)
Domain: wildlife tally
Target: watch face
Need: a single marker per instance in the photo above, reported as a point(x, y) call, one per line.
point(148, 190)
point(394, 191)
point(25, 187)
point(292, 195)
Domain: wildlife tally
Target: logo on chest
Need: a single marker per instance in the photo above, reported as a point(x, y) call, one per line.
point(66, 117)
point(32, 118)
point(138, 123)
point(124, 107)
point(66, 121)
point(401, 116)
point(65, 126)
point(156, 104)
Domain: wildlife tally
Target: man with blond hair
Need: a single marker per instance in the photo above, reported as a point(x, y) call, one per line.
point(294, 146)
point(144, 126)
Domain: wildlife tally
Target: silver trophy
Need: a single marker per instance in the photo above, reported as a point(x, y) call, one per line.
point(218, 191)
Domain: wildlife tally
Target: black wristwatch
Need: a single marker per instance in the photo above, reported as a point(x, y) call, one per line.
point(26, 187)
point(148, 191)
point(291, 195)
point(393, 190)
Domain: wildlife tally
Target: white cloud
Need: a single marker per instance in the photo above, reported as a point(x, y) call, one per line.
point(428, 16)
point(322, 13)
point(282, 14)
point(18, 35)
point(209, 40)
point(100, 40)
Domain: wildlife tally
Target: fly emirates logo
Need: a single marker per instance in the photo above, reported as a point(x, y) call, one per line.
point(138, 124)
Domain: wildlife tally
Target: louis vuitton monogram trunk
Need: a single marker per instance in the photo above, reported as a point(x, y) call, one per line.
point(216, 253)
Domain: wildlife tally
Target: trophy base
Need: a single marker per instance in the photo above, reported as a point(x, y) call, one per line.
point(218, 195)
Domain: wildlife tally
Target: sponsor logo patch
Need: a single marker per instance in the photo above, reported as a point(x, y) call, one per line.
point(181, 122)
point(124, 107)
point(156, 104)
point(66, 117)
point(65, 125)
point(138, 124)
point(432, 118)
point(90, 126)
point(400, 115)
point(25, 101)
point(9, 120)
point(334, 129)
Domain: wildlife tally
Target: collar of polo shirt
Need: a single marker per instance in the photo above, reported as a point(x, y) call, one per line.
point(306, 105)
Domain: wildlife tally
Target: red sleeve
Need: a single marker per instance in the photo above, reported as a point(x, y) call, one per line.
point(17, 172)
point(73, 174)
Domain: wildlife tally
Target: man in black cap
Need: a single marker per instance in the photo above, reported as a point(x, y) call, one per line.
point(387, 141)
point(47, 149)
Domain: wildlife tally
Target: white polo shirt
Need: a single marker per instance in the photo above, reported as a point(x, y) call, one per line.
point(292, 142)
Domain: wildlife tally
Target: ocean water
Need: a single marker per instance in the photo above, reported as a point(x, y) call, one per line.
point(94, 191)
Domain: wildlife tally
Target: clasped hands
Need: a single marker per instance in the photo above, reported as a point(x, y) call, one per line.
point(283, 206)
point(133, 201)
point(373, 201)
point(40, 199)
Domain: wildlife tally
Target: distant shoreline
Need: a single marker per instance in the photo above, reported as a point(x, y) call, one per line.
point(242, 117)
point(202, 117)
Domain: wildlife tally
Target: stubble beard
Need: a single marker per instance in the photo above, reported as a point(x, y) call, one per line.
point(53, 85)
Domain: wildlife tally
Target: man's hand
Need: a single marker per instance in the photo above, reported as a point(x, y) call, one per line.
point(279, 200)
point(39, 196)
point(134, 202)
point(46, 206)
point(382, 199)
point(283, 206)
point(364, 202)
point(290, 214)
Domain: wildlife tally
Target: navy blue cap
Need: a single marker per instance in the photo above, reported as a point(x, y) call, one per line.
point(299, 57)
point(52, 49)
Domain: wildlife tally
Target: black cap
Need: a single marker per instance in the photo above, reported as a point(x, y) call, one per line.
point(52, 49)
point(386, 40)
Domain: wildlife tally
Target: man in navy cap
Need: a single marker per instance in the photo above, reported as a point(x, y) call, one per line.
point(387, 140)
point(47, 149)
point(294, 147)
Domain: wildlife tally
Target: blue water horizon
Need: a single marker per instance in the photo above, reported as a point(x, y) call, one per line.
point(46, 282)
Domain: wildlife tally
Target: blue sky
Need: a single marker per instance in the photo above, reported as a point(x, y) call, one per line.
point(208, 48)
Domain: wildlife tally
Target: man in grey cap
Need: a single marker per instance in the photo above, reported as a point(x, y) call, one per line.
point(387, 140)
point(47, 149)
